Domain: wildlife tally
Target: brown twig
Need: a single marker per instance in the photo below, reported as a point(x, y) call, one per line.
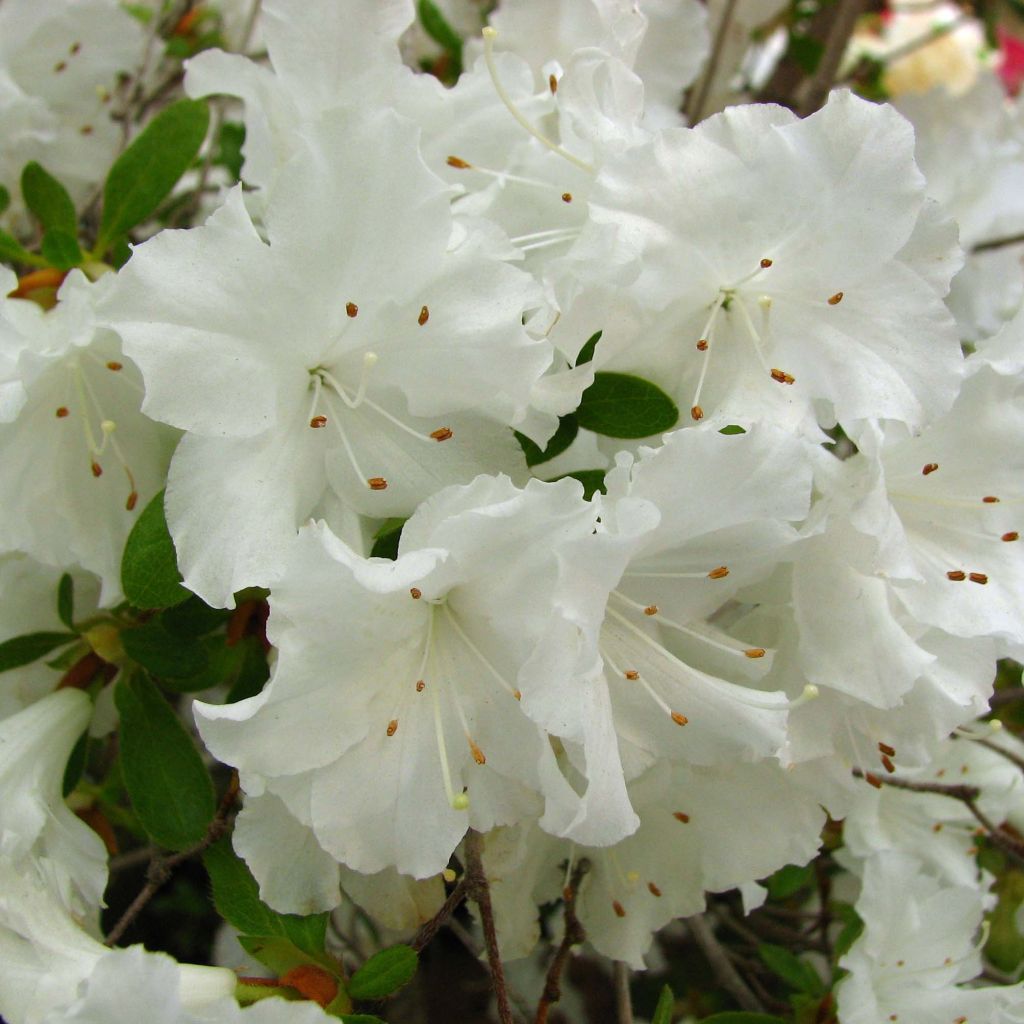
point(699, 94)
point(161, 868)
point(480, 892)
point(573, 935)
point(623, 996)
point(812, 92)
point(427, 931)
point(1001, 243)
point(1008, 754)
point(727, 975)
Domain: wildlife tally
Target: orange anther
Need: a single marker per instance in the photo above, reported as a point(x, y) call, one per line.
point(679, 719)
point(351, 309)
point(423, 317)
point(441, 434)
point(392, 727)
point(696, 413)
point(377, 483)
point(62, 411)
point(956, 575)
point(834, 300)
point(458, 163)
point(317, 422)
point(929, 468)
point(755, 652)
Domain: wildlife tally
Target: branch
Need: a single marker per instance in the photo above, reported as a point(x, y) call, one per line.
point(623, 999)
point(1001, 243)
point(427, 932)
point(812, 92)
point(573, 935)
point(479, 891)
point(161, 868)
point(698, 97)
point(727, 975)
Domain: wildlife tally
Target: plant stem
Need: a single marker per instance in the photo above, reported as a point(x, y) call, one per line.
point(573, 935)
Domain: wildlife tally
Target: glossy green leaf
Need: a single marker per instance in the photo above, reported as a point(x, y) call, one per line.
point(666, 1004)
point(732, 428)
point(587, 352)
point(194, 617)
point(789, 880)
point(237, 898)
point(11, 249)
point(592, 480)
point(387, 538)
point(76, 764)
point(253, 672)
point(385, 972)
point(568, 428)
point(61, 250)
point(48, 200)
point(149, 566)
point(163, 653)
point(169, 787)
point(23, 650)
point(791, 969)
point(66, 600)
point(436, 26)
point(621, 405)
point(150, 167)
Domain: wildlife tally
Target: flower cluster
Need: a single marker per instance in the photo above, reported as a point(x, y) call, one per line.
point(623, 500)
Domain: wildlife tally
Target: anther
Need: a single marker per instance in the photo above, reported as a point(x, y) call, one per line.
point(681, 816)
point(834, 300)
point(990, 499)
point(566, 197)
point(886, 749)
point(978, 577)
point(755, 652)
point(631, 673)
point(420, 685)
point(887, 763)
point(719, 574)
point(115, 365)
point(517, 694)
point(392, 727)
point(702, 345)
point(696, 413)
point(478, 754)
point(781, 376)
point(651, 609)
point(416, 593)
point(620, 910)
point(318, 421)
point(351, 310)
point(872, 780)
point(60, 66)
point(653, 889)
point(423, 317)
point(1012, 535)
point(377, 483)
point(937, 827)
point(766, 263)
point(74, 49)
point(552, 84)
point(97, 469)
point(956, 575)
point(86, 129)
point(133, 500)
point(441, 434)
point(63, 411)
point(929, 467)
point(459, 164)
point(679, 719)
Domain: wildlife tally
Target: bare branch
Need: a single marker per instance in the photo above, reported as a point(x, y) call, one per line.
point(727, 975)
point(574, 934)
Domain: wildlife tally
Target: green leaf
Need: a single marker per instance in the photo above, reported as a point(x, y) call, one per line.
point(254, 671)
point(61, 250)
point(162, 652)
point(742, 1017)
point(170, 790)
point(587, 352)
point(385, 972)
point(194, 617)
point(666, 1004)
point(789, 880)
point(66, 600)
point(150, 167)
point(592, 480)
point(149, 566)
point(360, 1018)
point(11, 249)
point(852, 927)
point(436, 26)
point(568, 428)
point(221, 666)
point(48, 199)
point(229, 148)
point(236, 896)
point(5, 198)
point(76, 764)
point(791, 969)
point(23, 650)
point(387, 539)
point(621, 405)
point(732, 428)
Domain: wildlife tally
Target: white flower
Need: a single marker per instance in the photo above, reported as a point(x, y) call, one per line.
point(389, 736)
point(791, 264)
point(378, 363)
point(80, 461)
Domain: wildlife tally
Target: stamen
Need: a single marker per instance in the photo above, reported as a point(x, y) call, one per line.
point(956, 575)
point(766, 263)
point(834, 300)
point(423, 317)
point(441, 434)
point(351, 310)
point(886, 749)
point(990, 499)
point(478, 754)
point(420, 685)
point(696, 413)
point(459, 164)
point(681, 817)
point(480, 655)
point(781, 376)
point(132, 501)
point(97, 469)
point(416, 593)
point(63, 411)
point(489, 35)
point(978, 577)
point(754, 337)
point(552, 84)
point(887, 763)
point(504, 177)
point(620, 910)
point(1011, 536)
point(703, 346)
point(377, 483)
point(316, 422)
point(115, 365)
point(679, 719)
point(720, 573)
point(651, 609)
point(715, 574)
point(929, 467)
point(566, 197)
point(653, 889)
point(634, 676)
point(392, 727)
point(755, 652)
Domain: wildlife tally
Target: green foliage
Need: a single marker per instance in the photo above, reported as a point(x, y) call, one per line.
point(150, 167)
point(796, 973)
point(61, 250)
point(568, 428)
point(252, 673)
point(149, 566)
point(1005, 946)
point(23, 650)
point(5, 198)
point(48, 200)
point(666, 1004)
point(621, 405)
point(230, 140)
point(742, 1017)
point(436, 26)
point(587, 352)
point(194, 617)
point(789, 880)
point(732, 428)
point(384, 973)
point(163, 653)
point(66, 600)
point(236, 896)
point(75, 767)
point(387, 539)
point(169, 788)
point(592, 480)
point(852, 927)
point(12, 250)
